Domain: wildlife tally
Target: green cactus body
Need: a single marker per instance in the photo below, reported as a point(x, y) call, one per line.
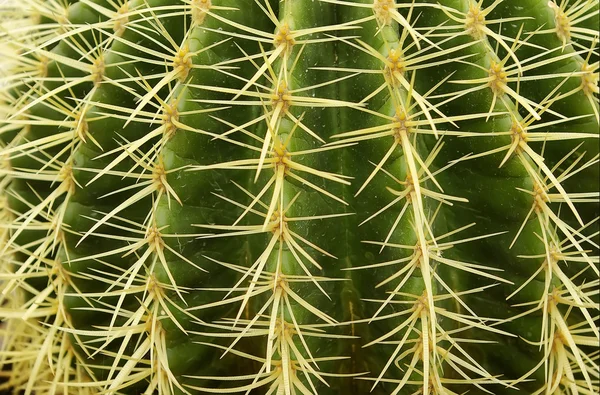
point(299, 196)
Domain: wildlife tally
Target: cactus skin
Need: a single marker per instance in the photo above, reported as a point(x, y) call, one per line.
point(299, 196)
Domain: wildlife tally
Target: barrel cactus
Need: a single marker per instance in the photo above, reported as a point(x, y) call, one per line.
point(299, 196)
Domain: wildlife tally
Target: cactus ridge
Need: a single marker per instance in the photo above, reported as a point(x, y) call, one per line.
point(299, 197)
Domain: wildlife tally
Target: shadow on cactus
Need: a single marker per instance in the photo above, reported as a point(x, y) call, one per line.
point(299, 197)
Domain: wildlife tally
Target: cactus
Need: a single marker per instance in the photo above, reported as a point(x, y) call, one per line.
point(299, 196)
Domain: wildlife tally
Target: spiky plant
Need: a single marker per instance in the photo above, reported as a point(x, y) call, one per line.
point(299, 196)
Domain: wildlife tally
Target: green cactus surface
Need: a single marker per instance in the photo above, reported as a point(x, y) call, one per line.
point(296, 197)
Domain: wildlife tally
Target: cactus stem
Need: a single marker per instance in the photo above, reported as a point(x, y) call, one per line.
point(109, 112)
